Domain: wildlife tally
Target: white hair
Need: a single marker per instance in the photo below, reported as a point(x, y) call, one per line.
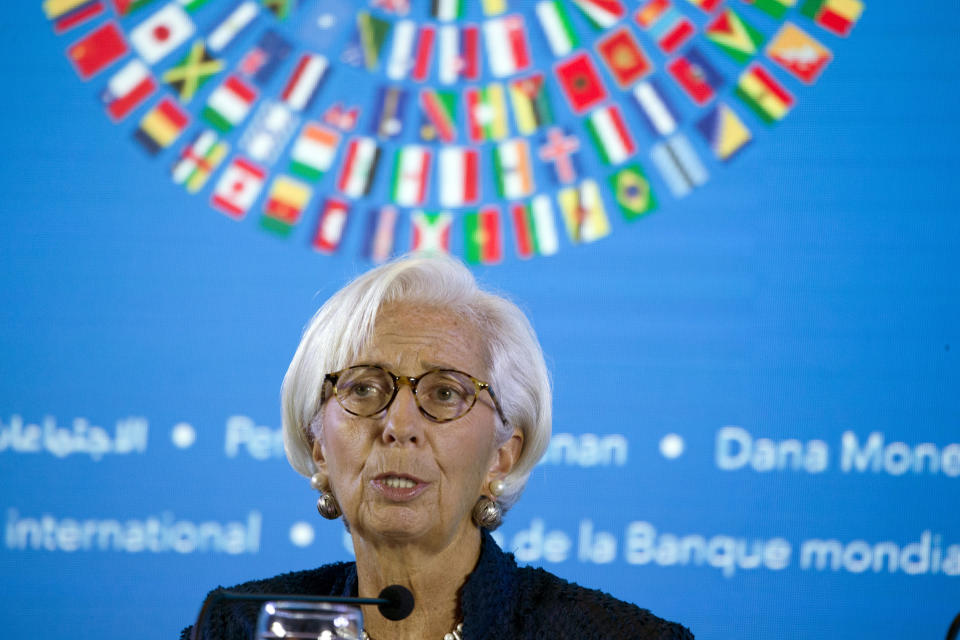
point(343, 327)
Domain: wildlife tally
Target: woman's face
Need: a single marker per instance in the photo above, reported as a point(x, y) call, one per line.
point(398, 476)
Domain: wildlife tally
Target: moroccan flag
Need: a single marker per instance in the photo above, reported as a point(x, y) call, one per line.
point(724, 132)
point(580, 82)
point(127, 89)
point(734, 35)
point(359, 168)
point(486, 113)
point(696, 76)
point(193, 71)
point(667, 26)
point(330, 225)
point(798, 53)
point(763, 94)
point(229, 104)
point(314, 151)
point(534, 227)
point(431, 231)
point(610, 134)
point(161, 126)
point(380, 234)
point(507, 49)
point(97, 50)
point(583, 213)
point(439, 115)
point(238, 188)
point(836, 16)
point(513, 169)
point(481, 236)
point(623, 56)
point(775, 8)
point(557, 27)
point(632, 191)
point(285, 203)
point(304, 82)
point(199, 159)
point(411, 172)
point(658, 111)
point(68, 14)
point(679, 165)
point(531, 104)
point(459, 182)
point(602, 14)
point(161, 33)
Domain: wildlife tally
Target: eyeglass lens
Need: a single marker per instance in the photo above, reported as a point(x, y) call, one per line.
point(443, 394)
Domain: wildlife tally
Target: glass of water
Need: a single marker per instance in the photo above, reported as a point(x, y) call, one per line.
point(309, 620)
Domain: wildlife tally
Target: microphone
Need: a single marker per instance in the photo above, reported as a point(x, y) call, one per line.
point(395, 602)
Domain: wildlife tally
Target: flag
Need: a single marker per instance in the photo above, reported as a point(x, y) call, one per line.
point(557, 27)
point(679, 165)
point(624, 57)
point(190, 5)
point(610, 134)
point(161, 33)
point(763, 94)
point(198, 160)
point(380, 234)
point(304, 82)
point(696, 76)
point(507, 48)
point(583, 213)
point(388, 112)
point(448, 54)
point(481, 236)
point(231, 25)
point(558, 150)
point(439, 115)
point(494, 7)
point(280, 8)
point(631, 190)
point(776, 8)
point(71, 13)
point(229, 104)
point(97, 50)
point(446, 10)
point(667, 26)
point(127, 89)
point(707, 6)
point(580, 82)
point(459, 179)
point(512, 169)
point(798, 53)
point(531, 104)
point(126, 7)
point(658, 112)
point(411, 172)
point(534, 227)
point(431, 231)
point(193, 71)
point(469, 62)
point(262, 62)
point(161, 126)
point(724, 132)
point(285, 203)
point(401, 61)
point(341, 117)
point(268, 134)
point(735, 36)
point(602, 14)
point(238, 188)
point(373, 32)
point(314, 151)
point(400, 7)
point(836, 16)
point(359, 167)
point(330, 225)
point(424, 53)
point(486, 113)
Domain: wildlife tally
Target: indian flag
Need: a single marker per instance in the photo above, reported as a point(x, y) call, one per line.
point(411, 170)
point(610, 135)
point(459, 176)
point(229, 104)
point(535, 228)
point(763, 94)
point(513, 169)
point(314, 151)
point(557, 27)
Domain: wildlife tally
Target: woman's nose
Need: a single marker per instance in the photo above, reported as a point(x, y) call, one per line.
point(403, 423)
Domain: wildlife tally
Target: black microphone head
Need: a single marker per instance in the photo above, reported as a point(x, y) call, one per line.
point(400, 602)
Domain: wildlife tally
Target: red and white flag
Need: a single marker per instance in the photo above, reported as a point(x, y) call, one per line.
point(162, 32)
point(330, 225)
point(238, 188)
point(411, 170)
point(424, 53)
point(359, 167)
point(305, 81)
point(127, 89)
point(459, 176)
point(507, 46)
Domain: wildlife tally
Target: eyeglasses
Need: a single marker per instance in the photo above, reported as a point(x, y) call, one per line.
point(441, 395)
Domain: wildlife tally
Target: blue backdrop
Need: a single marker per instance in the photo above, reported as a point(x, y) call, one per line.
point(756, 399)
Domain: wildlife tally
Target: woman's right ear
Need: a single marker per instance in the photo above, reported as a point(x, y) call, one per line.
point(319, 458)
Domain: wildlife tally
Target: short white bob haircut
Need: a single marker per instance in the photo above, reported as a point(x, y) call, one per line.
point(343, 327)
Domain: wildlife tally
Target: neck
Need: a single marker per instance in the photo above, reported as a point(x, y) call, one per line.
point(433, 574)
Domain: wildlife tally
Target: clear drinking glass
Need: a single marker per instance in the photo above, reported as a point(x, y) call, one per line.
point(313, 620)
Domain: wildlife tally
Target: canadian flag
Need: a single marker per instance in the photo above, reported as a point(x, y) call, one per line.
point(238, 188)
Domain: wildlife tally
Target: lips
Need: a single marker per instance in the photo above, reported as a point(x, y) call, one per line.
point(399, 487)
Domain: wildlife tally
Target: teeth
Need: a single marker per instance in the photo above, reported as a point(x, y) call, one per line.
point(400, 483)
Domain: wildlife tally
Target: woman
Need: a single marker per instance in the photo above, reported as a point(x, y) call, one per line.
point(418, 405)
